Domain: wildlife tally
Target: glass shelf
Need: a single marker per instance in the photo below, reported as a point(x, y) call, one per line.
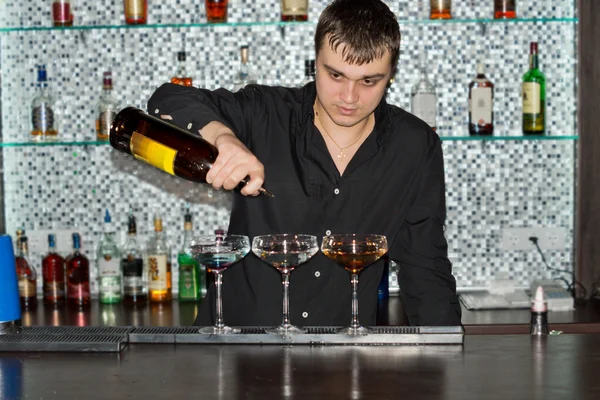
point(443, 138)
point(283, 24)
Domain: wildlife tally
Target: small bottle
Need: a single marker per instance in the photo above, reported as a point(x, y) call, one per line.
point(26, 276)
point(132, 266)
point(294, 10)
point(539, 314)
point(78, 276)
point(136, 12)
point(245, 75)
point(159, 265)
point(534, 96)
point(505, 9)
point(107, 108)
point(423, 97)
point(440, 9)
point(216, 11)
point(108, 264)
point(62, 14)
point(481, 104)
point(309, 72)
point(191, 280)
point(42, 109)
point(53, 274)
point(181, 76)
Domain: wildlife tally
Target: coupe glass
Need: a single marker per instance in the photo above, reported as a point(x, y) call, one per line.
point(217, 253)
point(285, 252)
point(354, 252)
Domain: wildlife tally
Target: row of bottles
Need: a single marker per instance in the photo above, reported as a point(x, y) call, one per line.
point(481, 99)
point(503, 9)
point(129, 273)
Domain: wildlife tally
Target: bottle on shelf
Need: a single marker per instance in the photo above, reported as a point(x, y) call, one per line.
point(423, 101)
point(132, 266)
point(181, 76)
point(539, 314)
point(245, 74)
point(78, 276)
point(164, 146)
point(62, 14)
point(309, 72)
point(534, 96)
point(440, 9)
point(136, 12)
point(42, 109)
point(505, 9)
point(159, 265)
point(294, 10)
point(107, 108)
point(481, 104)
point(191, 281)
point(216, 11)
point(53, 275)
point(108, 264)
point(26, 274)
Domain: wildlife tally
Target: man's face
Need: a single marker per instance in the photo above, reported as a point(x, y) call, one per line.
point(350, 93)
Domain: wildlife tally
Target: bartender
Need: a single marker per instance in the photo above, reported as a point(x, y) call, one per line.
point(339, 159)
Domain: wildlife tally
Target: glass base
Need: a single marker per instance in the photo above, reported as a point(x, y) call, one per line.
point(355, 331)
point(215, 330)
point(285, 330)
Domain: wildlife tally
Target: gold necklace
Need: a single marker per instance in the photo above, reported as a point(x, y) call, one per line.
point(341, 156)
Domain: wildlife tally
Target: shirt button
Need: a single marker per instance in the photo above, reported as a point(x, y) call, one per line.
point(327, 232)
point(336, 191)
point(317, 274)
point(190, 125)
point(304, 314)
point(156, 111)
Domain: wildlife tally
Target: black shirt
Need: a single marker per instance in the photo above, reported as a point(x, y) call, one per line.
point(394, 185)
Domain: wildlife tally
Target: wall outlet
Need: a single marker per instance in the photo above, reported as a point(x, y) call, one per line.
point(548, 238)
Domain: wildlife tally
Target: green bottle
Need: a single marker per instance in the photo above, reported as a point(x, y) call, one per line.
point(109, 265)
point(191, 281)
point(534, 96)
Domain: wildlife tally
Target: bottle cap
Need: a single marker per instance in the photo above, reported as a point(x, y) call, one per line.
point(42, 73)
point(480, 69)
point(107, 216)
point(539, 303)
point(244, 53)
point(181, 56)
point(533, 48)
point(52, 240)
point(107, 80)
point(131, 225)
point(76, 240)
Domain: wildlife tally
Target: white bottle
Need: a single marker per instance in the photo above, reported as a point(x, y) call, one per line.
point(423, 102)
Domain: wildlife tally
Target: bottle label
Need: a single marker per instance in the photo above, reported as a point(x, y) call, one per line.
point(532, 99)
point(103, 122)
point(153, 152)
point(110, 288)
point(26, 287)
point(42, 119)
point(54, 290)
point(108, 266)
point(134, 9)
point(294, 7)
point(133, 269)
point(480, 105)
point(424, 106)
point(188, 288)
point(157, 272)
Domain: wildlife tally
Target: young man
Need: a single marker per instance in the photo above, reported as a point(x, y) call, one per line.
point(339, 159)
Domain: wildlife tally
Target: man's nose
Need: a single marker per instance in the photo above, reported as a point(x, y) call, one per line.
point(349, 93)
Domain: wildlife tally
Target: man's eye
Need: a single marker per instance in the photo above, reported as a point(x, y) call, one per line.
point(335, 76)
point(369, 82)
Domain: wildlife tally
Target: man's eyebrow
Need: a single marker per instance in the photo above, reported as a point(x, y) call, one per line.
point(333, 70)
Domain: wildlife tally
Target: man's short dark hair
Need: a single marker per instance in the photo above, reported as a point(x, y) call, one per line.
point(367, 28)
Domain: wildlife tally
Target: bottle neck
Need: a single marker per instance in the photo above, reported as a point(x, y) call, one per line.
point(51, 248)
point(533, 61)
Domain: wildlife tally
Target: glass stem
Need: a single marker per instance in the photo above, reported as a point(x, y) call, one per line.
point(354, 324)
point(286, 300)
point(219, 323)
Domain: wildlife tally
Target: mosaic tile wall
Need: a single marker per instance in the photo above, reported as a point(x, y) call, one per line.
point(490, 186)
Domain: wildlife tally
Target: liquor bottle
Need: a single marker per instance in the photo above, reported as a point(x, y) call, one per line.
point(534, 96)
point(294, 10)
point(26, 276)
point(107, 108)
point(539, 314)
point(62, 14)
point(423, 98)
point(440, 9)
point(191, 280)
point(245, 75)
point(136, 12)
point(481, 104)
point(159, 265)
point(132, 265)
point(108, 264)
point(78, 275)
point(309, 72)
point(181, 76)
point(505, 9)
point(53, 274)
point(216, 11)
point(42, 108)
point(164, 146)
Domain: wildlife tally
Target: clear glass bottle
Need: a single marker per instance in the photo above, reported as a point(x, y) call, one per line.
point(294, 10)
point(26, 275)
point(132, 266)
point(245, 74)
point(181, 75)
point(159, 265)
point(108, 264)
point(423, 102)
point(78, 276)
point(107, 108)
point(440, 9)
point(309, 72)
point(136, 12)
point(53, 274)
point(481, 104)
point(191, 278)
point(534, 96)
point(42, 109)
